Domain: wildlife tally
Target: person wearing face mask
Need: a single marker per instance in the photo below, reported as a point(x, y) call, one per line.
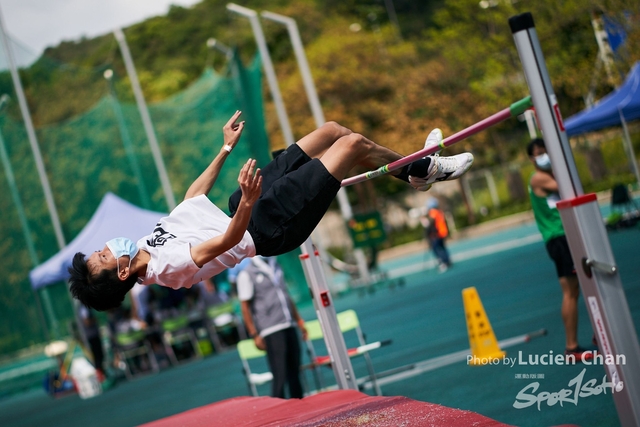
point(543, 192)
point(273, 211)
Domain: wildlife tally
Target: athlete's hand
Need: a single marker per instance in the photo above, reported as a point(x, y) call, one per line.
point(232, 130)
point(250, 182)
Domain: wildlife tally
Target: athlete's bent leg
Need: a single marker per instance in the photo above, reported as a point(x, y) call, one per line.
point(354, 149)
point(320, 140)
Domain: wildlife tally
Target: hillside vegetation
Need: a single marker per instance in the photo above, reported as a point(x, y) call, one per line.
point(448, 63)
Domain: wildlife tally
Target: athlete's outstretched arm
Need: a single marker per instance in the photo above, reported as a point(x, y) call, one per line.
point(251, 186)
point(203, 184)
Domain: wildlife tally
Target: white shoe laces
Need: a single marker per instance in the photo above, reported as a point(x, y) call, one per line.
point(446, 164)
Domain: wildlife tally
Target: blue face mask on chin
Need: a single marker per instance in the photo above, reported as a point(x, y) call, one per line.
point(121, 246)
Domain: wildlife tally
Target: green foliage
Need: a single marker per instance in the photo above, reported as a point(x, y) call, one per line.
point(85, 158)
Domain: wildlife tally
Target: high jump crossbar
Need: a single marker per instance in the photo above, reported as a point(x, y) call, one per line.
point(513, 110)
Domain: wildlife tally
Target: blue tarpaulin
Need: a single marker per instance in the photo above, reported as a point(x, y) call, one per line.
point(607, 112)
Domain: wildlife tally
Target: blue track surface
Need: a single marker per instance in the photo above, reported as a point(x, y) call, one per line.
point(425, 319)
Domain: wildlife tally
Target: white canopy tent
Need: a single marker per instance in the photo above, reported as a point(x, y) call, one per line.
point(114, 217)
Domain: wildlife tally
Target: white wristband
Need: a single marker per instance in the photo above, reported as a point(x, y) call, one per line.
point(227, 148)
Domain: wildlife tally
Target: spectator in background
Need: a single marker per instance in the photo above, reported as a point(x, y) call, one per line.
point(232, 274)
point(543, 192)
point(271, 318)
point(208, 294)
point(436, 231)
point(92, 334)
point(140, 304)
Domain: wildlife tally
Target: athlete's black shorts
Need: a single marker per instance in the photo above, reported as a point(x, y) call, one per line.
point(558, 250)
point(296, 193)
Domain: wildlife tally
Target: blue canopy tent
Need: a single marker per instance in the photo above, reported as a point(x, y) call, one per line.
point(621, 104)
point(615, 109)
point(114, 217)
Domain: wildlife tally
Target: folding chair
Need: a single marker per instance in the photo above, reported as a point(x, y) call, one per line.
point(624, 210)
point(222, 319)
point(621, 199)
point(131, 345)
point(247, 350)
point(347, 321)
point(175, 332)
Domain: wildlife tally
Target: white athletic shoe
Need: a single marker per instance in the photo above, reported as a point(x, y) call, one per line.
point(441, 168)
point(434, 139)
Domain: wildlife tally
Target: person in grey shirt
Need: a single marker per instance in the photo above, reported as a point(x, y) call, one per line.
point(272, 320)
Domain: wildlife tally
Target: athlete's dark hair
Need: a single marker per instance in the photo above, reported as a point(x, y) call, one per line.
point(538, 142)
point(101, 291)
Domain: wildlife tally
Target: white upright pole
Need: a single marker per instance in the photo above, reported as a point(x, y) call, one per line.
point(529, 116)
point(493, 189)
point(314, 271)
point(26, 231)
point(146, 118)
point(301, 57)
point(633, 162)
point(143, 194)
point(44, 180)
point(587, 237)
point(31, 134)
point(326, 312)
point(318, 115)
point(268, 69)
point(548, 111)
point(220, 47)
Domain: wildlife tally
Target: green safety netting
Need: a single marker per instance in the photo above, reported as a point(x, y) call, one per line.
point(86, 157)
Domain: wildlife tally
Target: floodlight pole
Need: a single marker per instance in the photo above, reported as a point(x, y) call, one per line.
point(37, 155)
point(318, 115)
point(26, 231)
point(311, 262)
point(229, 54)
point(126, 141)
point(633, 163)
point(301, 57)
point(31, 134)
point(146, 118)
point(220, 47)
point(588, 241)
point(268, 68)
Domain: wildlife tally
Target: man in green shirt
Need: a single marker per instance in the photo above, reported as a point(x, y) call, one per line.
point(543, 192)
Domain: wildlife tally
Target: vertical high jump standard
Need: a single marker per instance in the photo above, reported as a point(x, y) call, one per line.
point(590, 248)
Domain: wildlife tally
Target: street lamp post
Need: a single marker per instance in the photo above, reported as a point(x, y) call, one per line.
point(126, 141)
point(318, 115)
